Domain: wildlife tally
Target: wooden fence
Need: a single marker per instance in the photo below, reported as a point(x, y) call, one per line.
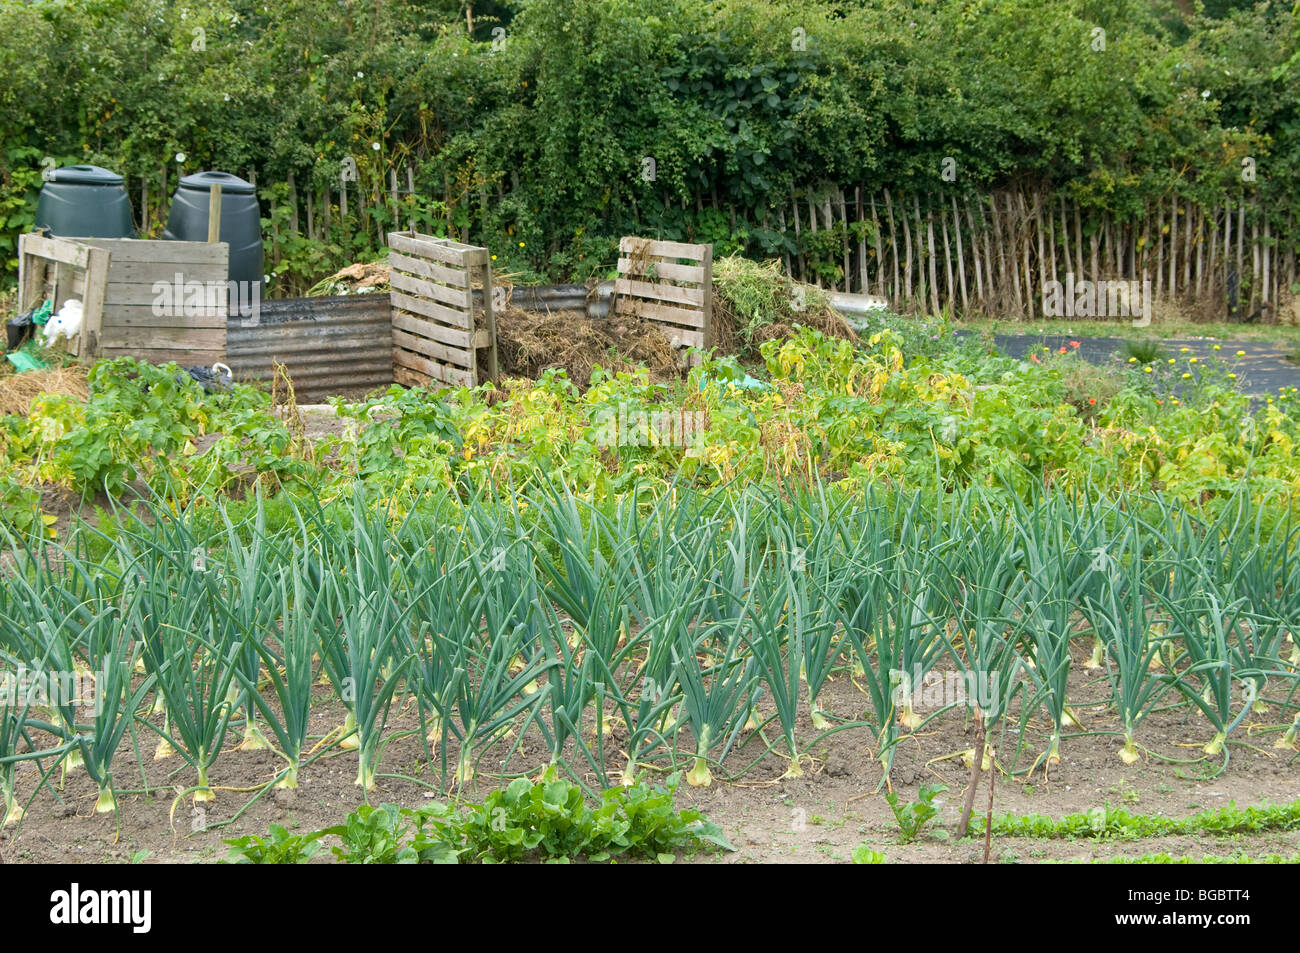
point(436, 336)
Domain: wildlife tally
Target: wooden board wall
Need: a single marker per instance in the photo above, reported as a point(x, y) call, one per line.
point(148, 315)
point(670, 284)
point(436, 336)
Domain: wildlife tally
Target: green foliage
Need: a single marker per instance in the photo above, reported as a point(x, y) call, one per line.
point(534, 140)
point(278, 847)
point(548, 820)
point(914, 815)
point(1108, 822)
point(862, 854)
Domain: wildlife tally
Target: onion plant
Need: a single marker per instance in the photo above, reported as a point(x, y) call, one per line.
point(177, 621)
point(1207, 627)
point(714, 676)
point(1121, 616)
point(775, 633)
point(361, 593)
point(291, 668)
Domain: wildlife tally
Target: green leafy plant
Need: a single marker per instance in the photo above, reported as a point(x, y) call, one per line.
point(278, 847)
point(914, 815)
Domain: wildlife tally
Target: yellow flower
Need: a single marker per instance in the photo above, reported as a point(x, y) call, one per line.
point(494, 257)
point(1186, 376)
point(1183, 350)
point(1171, 360)
point(1232, 377)
point(1146, 370)
point(1191, 360)
point(521, 244)
point(1132, 360)
point(1218, 347)
point(1241, 353)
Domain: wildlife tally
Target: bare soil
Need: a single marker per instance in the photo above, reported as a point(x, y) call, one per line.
point(817, 818)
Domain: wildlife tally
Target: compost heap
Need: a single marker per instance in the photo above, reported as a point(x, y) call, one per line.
point(360, 278)
point(530, 343)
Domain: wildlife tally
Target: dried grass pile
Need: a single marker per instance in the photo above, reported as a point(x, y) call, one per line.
point(17, 391)
point(755, 302)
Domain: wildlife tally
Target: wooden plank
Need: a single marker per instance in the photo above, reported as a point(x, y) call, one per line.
point(92, 301)
point(660, 291)
point(417, 325)
point(456, 277)
point(432, 369)
point(148, 250)
point(430, 309)
point(482, 338)
point(678, 337)
point(178, 339)
point(147, 272)
point(205, 295)
point(432, 349)
point(438, 250)
point(166, 355)
point(640, 247)
point(214, 212)
point(140, 316)
point(707, 265)
point(490, 319)
point(661, 269)
point(64, 251)
point(456, 297)
point(660, 312)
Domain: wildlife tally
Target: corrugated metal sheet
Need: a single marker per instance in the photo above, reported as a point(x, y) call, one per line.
point(560, 298)
point(331, 345)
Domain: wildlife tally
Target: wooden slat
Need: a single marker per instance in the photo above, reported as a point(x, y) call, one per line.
point(432, 369)
point(630, 245)
point(681, 338)
point(212, 295)
point(469, 254)
point(660, 312)
point(427, 248)
point(147, 272)
point(661, 269)
point(456, 297)
point(430, 309)
point(139, 316)
point(439, 352)
point(65, 251)
point(142, 250)
point(179, 339)
point(428, 329)
point(186, 358)
point(660, 291)
point(456, 277)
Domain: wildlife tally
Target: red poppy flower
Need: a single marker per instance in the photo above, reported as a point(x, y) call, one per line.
point(1092, 400)
point(1074, 344)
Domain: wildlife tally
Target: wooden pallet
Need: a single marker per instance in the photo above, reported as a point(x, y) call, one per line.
point(58, 269)
point(436, 336)
point(670, 284)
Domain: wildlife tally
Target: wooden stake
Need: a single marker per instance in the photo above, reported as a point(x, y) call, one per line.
point(214, 212)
